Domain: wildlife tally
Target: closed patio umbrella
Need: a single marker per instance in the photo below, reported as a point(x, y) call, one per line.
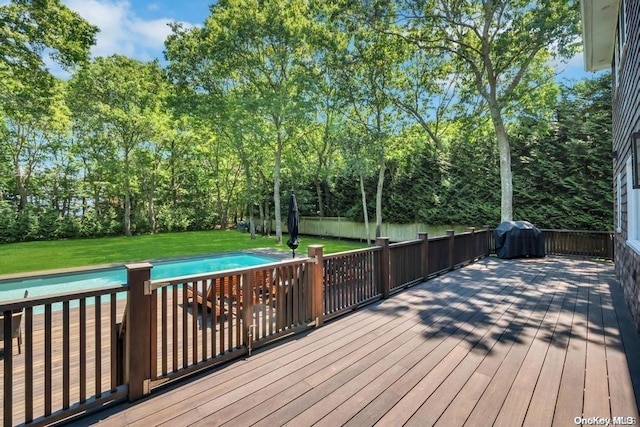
point(292, 224)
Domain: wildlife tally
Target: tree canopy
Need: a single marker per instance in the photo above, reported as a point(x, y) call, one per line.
point(444, 112)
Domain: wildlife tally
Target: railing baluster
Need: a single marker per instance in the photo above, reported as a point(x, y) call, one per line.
point(185, 326)
point(47, 360)
point(65, 355)
point(264, 295)
point(295, 281)
point(230, 313)
point(83, 350)
point(174, 330)
point(153, 322)
point(214, 317)
point(98, 347)
point(194, 322)
point(8, 368)
point(204, 322)
point(114, 342)
point(165, 327)
point(223, 315)
point(28, 369)
point(238, 336)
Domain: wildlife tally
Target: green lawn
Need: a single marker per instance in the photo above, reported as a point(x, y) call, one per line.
point(33, 256)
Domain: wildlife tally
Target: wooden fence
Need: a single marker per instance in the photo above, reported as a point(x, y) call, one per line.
point(86, 350)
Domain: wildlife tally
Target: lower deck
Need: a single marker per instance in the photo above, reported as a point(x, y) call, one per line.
point(505, 342)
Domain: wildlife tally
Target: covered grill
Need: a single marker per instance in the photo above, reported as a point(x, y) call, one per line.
point(515, 239)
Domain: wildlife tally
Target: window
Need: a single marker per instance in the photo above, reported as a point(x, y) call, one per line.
point(633, 210)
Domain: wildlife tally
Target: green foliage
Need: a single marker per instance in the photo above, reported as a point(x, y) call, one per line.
point(316, 97)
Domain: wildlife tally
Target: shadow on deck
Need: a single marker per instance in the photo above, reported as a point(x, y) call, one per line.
point(519, 342)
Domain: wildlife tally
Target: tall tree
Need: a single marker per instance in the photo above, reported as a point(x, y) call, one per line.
point(124, 100)
point(29, 137)
point(368, 69)
point(262, 50)
point(29, 95)
point(500, 46)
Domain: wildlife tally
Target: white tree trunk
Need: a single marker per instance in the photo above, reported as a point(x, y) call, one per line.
point(276, 190)
point(127, 196)
point(506, 177)
point(379, 188)
point(364, 210)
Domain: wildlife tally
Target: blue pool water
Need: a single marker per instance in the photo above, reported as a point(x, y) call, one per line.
point(46, 285)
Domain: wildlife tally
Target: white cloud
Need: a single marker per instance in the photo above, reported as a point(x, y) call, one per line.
point(121, 30)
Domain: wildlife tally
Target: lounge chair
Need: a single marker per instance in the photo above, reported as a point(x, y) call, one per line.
point(231, 288)
point(203, 292)
point(16, 328)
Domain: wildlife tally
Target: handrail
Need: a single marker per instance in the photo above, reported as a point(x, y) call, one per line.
point(176, 280)
point(353, 252)
point(407, 243)
point(557, 230)
point(19, 303)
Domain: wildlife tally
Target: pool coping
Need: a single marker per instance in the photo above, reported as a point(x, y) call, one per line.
point(271, 252)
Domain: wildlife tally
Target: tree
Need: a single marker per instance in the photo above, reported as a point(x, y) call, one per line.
point(29, 136)
point(260, 50)
point(368, 68)
point(499, 47)
point(123, 100)
point(30, 106)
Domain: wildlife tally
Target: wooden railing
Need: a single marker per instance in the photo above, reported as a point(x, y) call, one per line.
point(166, 329)
point(405, 264)
point(439, 255)
point(597, 244)
point(590, 244)
point(350, 279)
point(70, 360)
point(203, 320)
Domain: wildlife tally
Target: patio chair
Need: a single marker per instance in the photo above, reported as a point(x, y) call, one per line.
point(205, 295)
point(16, 328)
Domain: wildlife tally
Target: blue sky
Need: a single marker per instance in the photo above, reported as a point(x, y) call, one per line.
point(138, 28)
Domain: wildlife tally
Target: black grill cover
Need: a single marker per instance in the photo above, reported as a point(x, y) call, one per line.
point(518, 239)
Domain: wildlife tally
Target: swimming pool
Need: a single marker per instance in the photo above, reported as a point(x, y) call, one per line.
point(52, 284)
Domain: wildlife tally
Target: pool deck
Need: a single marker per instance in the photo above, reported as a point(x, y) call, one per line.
point(524, 342)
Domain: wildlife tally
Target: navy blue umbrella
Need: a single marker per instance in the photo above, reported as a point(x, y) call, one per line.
point(293, 219)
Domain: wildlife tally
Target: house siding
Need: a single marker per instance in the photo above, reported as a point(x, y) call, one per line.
point(626, 120)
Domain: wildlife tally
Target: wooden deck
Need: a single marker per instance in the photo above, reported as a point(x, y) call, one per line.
point(526, 342)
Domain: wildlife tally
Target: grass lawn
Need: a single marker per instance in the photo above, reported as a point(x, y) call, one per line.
point(33, 256)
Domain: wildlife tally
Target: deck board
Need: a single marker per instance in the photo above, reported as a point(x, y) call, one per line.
point(521, 342)
point(542, 404)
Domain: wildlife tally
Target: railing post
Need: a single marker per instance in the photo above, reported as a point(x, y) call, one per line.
point(317, 311)
point(138, 331)
point(384, 266)
point(248, 292)
point(452, 240)
point(424, 253)
point(473, 251)
point(8, 368)
point(488, 240)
